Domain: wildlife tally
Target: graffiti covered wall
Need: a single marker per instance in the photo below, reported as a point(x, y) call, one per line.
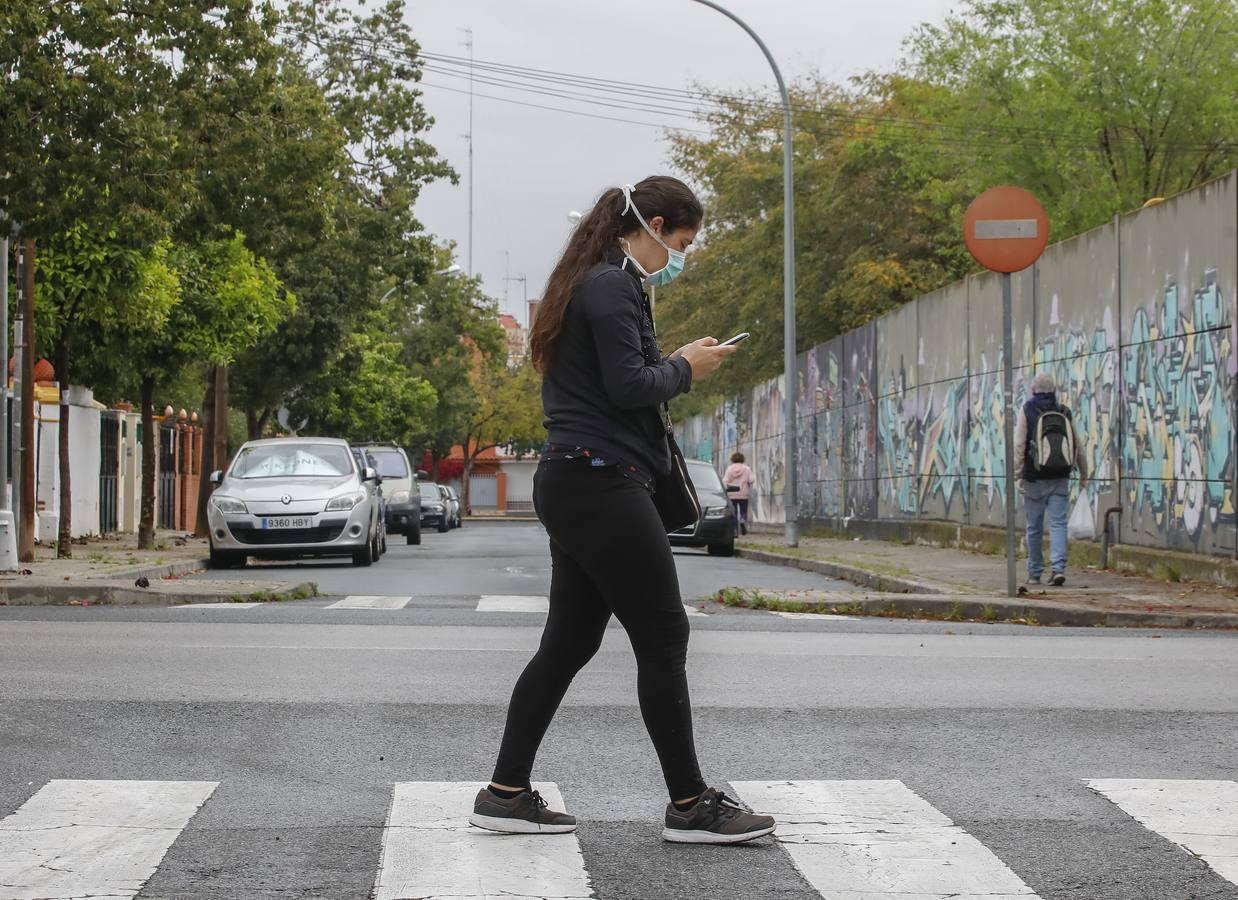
point(904, 417)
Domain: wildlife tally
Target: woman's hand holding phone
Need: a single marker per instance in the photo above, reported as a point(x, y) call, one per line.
point(704, 356)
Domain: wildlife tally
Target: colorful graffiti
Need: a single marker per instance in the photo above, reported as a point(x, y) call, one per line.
point(897, 431)
point(1153, 388)
point(1178, 455)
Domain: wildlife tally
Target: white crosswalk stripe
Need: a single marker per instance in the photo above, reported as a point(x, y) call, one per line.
point(369, 602)
point(97, 839)
point(223, 605)
point(430, 852)
point(508, 603)
point(849, 840)
point(878, 840)
point(1200, 816)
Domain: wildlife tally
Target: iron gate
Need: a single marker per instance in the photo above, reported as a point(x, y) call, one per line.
point(167, 477)
point(109, 474)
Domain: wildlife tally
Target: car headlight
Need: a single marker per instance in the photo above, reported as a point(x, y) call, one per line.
point(717, 512)
point(229, 504)
point(434, 507)
point(345, 501)
point(399, 497)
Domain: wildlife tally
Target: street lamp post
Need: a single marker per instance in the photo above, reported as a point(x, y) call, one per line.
point(790, 499)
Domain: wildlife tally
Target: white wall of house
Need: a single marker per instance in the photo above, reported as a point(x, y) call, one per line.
point(519, 483)
point(84, 422)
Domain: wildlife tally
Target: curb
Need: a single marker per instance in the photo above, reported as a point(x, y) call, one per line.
point(875, 580)
point(968, 609)
point(179, 568)
point(922, 599)
point(110, 595)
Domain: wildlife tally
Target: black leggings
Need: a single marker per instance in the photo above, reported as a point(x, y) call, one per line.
point(610, 554)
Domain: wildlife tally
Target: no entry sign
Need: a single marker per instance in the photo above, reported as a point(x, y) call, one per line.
point(1006, 229)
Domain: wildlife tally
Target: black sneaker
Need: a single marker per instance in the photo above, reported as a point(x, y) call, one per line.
point(525, 813)
point(1058, 579)
point(714, 819)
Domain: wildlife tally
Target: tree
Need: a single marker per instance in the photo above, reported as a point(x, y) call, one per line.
point(444, 326)
point(219, 300)
point(85, 280)
point(1094, 106)
point(869, 234)
point(365, 66)
point(508, 414)
point(366, 393)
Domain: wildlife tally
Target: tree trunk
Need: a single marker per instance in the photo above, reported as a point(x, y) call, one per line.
point(202, 527)
point(465, 477)
point(263, 421)
point(221, 417)
point(64, 541)
point(150, 440)
point(251, 424)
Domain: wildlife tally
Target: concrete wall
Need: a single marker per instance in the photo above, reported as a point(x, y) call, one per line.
point(903, 418)
point(84, 423)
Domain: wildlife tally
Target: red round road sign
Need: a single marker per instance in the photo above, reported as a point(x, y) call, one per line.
point(1006, 229)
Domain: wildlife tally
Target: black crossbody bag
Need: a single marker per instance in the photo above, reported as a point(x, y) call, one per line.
point(673, 493)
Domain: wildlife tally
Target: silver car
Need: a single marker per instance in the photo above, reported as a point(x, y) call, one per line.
point(290, 497)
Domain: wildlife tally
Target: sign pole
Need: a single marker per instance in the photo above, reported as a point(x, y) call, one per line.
point(1009, 417)
point(1006, 230)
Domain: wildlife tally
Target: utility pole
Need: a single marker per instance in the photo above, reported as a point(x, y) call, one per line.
point(789, 364)
point(468, 43)
point(4, 355)
point(524, 283)
point(25, 529)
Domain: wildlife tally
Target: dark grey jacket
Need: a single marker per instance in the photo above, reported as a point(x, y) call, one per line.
point(608, 376)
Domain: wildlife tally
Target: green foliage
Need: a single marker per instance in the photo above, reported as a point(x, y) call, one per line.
point(1094, 106)
point(363, 66)
point(509, 411)
point(232, 299)
point(366, 393)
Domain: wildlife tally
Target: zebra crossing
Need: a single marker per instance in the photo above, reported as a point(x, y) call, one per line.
point(489, 603)
point(847, 839)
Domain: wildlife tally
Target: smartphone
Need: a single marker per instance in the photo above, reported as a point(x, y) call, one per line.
point(742, 336)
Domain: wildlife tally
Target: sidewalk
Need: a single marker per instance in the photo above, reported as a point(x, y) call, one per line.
point(108, 570)
point(915, 579)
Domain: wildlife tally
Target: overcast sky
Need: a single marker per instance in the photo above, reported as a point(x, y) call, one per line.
point(533, 166)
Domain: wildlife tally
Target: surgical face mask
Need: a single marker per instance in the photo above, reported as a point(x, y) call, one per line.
point(674, 258)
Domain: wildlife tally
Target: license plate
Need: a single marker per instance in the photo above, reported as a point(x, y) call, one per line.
point(288, 522)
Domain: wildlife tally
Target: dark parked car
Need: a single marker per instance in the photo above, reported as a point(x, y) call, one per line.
point(434, 506)
point(715, 529)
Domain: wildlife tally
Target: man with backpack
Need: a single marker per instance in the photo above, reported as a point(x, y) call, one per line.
point(1047, 450)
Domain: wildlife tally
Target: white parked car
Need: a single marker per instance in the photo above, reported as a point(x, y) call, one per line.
point(290, 497)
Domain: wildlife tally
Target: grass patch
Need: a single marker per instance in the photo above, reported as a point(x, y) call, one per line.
point(1167, 572)
point(302, 592)
point(746, 598)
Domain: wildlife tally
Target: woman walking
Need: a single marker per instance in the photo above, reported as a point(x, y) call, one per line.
point(738, 473)
point(604, 378)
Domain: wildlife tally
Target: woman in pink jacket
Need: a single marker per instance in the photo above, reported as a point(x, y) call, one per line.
point(740, 474)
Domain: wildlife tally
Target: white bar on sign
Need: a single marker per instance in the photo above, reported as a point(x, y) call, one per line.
point(93, 838)
point(878, 840)
point(224, 605)
point(369, 602)
point(1200, 816)
point(430, 851)
point(993, 229)
point(505, 603)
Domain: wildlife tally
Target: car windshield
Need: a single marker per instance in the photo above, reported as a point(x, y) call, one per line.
point(390, 464)
point(429, 491)
point(292, 460)
point(704, 477)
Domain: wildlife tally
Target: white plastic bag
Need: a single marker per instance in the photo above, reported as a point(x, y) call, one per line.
point(1082, 524)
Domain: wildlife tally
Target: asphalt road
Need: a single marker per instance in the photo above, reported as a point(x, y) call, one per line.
point(909, 759)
